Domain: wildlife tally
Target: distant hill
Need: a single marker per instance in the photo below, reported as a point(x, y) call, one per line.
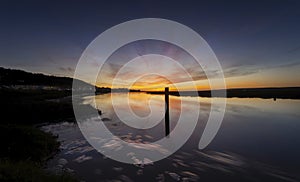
point(266, 93)
point(19, 78)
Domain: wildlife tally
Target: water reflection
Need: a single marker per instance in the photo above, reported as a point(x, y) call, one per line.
point(258, 140)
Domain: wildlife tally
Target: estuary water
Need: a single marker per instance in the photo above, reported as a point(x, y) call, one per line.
point(259, 140)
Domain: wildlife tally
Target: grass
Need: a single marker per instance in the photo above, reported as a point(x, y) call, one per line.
point(35, 106)
point(26, 143)
point(25, 148)
point(27, 171)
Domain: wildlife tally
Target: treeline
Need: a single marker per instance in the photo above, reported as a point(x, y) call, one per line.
point(12, 77)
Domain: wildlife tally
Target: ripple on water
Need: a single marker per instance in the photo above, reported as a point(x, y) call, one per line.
point(82, 158)
point(185, 165)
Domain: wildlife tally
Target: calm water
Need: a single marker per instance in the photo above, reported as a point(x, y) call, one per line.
point(259, 140)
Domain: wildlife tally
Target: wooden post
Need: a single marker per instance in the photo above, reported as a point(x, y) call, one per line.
point(167, 117)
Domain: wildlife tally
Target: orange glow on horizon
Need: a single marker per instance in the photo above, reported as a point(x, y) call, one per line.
point(230, 84)
point(272, 78)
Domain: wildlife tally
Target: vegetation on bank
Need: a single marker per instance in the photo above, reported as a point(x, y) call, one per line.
point(27, 100)
point(24, 152)
point(25, 148)
point(27, 171)
point(19, 142)
point(13, 77)
point(35, 106)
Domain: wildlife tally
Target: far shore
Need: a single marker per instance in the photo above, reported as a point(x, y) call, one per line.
point(266, 93)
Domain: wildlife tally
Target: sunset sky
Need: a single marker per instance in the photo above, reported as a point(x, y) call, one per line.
point(257, 42)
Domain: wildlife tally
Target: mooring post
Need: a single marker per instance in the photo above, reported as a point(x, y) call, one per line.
point(167, 117)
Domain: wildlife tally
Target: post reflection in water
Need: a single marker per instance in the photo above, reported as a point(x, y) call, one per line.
point(167, 116)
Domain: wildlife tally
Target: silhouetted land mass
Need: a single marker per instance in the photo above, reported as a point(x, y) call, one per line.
point(28, 99)
point(35, 106)
point(11, 77)
point(101, 90)
point(19, 79)
point(280, 93)
point(25, 148)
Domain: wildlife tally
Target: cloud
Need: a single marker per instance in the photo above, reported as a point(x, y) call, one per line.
point(240, 71)
point(244, 70)
point(194, 72)
point(293, 50)
point(66, 69)
point(174, 73)
point(286, 65)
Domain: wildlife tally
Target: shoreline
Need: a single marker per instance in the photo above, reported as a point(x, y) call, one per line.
point(26, 148)
point(264, 93)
